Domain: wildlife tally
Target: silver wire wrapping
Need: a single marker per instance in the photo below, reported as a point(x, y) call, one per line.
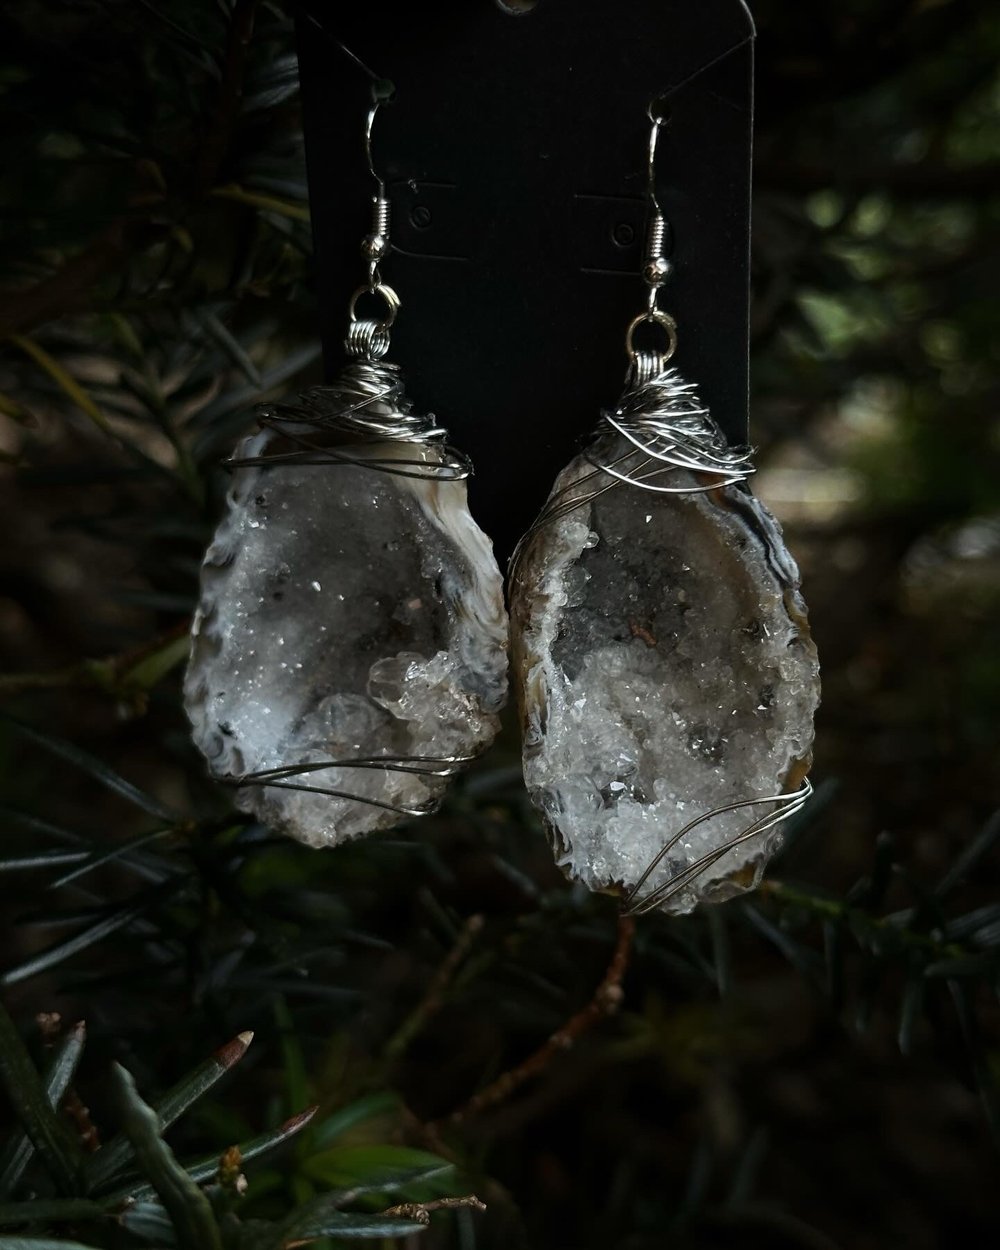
point(421, 765)
point(789, 804)
point(669, 429)
point(334, 424)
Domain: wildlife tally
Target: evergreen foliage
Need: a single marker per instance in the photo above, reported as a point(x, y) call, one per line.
point(814, 1066)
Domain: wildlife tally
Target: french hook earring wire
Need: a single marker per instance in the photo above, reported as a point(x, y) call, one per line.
point(366, 337)
point(656, 271)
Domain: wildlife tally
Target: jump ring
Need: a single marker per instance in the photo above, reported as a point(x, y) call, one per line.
point(661, 318)
point(387, 293)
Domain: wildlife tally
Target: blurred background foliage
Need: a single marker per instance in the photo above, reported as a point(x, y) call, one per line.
point(816, 1066)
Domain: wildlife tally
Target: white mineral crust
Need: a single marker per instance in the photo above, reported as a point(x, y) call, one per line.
point(345, 612)
point(665, 670)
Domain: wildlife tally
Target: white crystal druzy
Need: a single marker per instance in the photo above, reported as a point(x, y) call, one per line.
point(345, 613)
point(665, 670)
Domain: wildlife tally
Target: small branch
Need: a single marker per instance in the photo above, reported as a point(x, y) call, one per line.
point(265, 203)
point(114, 675)
point(863, 922)
point(605, 1002)
point(430, 1004)
point(79, 1113)
point(421, 1211)
point(217, 139)
point(79, 675)
point(68, 289)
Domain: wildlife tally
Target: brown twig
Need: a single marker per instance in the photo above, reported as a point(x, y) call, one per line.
point(430, 1139)
point(432, 1000)
point(68, 289)
point(605, 1002)
point(421, 1211)
point(110, 674)
point(227, 110)
point(50, 1027)
point(79, 1113)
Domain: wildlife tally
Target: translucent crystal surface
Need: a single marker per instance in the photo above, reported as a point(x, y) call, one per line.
point(346, 612)
point(665, 670)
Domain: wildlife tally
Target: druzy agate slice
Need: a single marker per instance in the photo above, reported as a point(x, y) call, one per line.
point(665, 670)
point(346, 613)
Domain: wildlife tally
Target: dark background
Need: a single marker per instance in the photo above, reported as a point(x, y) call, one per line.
point(815, 1066)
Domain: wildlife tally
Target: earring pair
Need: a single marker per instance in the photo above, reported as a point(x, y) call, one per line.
point(350, 647)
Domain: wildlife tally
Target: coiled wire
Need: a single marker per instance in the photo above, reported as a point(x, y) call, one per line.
point(669, 429)
point(338, 424)
point(788, 805)
point(283, 778)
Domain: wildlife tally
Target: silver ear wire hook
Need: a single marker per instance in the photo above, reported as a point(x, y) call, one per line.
point(654, 134)
point(656, 270)
point(368, 147)
point(383, 92)
point(657, 267)
point(367, 338)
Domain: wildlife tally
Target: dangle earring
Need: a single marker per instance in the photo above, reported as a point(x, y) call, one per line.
point(349, 648)
point(665, 671)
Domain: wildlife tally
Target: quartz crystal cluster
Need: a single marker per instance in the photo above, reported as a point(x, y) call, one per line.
point(666, 670)
point(347, 614)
